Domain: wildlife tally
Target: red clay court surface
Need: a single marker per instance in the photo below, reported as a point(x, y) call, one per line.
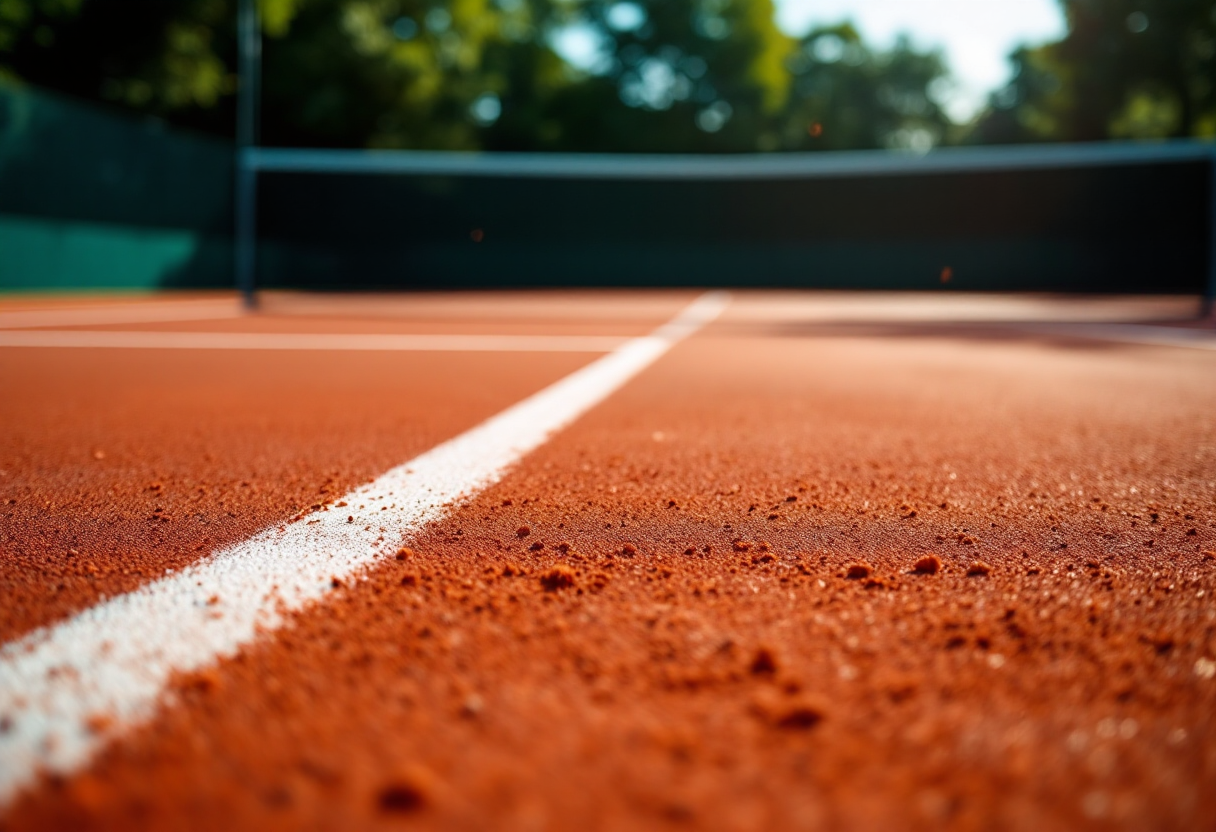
point(829, 562)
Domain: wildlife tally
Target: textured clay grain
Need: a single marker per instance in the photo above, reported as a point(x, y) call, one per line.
point(649, 672)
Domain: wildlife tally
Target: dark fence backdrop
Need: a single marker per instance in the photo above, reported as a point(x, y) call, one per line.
point(1122, 228)
point(91, 198)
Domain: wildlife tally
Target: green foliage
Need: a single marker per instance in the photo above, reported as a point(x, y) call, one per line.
point(168, 58)
point(717, 76)
point(849, 96)
point(277, 15)
point(671, 75)
point(382, 73)
point(668, 75)
point(1126, 69)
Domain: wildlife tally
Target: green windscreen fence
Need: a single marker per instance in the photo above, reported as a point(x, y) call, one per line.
point(92, 199)
point(1140, 226)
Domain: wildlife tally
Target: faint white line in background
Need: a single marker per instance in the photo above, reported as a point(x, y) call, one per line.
point(709, 167)
point(1160, 336)
point(114, 659)
point(93, 339)
point(126, 313)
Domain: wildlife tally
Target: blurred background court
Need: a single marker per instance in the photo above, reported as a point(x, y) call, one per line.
point(495, 144)
point(911, 528)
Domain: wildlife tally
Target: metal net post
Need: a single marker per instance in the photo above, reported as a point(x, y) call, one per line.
point(245, 213)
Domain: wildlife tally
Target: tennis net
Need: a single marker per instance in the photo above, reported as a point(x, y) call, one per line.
point(1105, 217)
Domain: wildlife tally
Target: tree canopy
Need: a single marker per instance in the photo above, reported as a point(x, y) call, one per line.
point(1126, 69)
point(656, 75)
point(648, 76)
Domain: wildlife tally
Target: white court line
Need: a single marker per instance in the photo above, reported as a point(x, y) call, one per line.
point(126, 313)
point(91, 339)
point(1158, 336)
point(116, 658)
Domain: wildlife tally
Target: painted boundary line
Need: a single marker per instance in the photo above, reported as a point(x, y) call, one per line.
point(91, 339)
point(1157, 336)
point(116, 658)
point(1115, 333)
point(126, 313)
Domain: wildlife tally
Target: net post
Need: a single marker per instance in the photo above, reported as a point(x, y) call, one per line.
point(1208, 310)
point(249, 45)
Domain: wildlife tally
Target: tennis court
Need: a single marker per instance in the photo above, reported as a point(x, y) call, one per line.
point(409, 423)
point(796, 560)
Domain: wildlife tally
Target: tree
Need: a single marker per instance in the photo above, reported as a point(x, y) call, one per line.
point(1126, 69)
point(667, 75)
point(719, 76)
point(847, 96)
point(167, 58)
point(386, 73)
point(390, 73)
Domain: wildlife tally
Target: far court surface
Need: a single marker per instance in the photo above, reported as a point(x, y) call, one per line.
point(774, 560)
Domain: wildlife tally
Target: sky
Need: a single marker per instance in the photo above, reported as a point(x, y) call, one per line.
point(975, 35)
